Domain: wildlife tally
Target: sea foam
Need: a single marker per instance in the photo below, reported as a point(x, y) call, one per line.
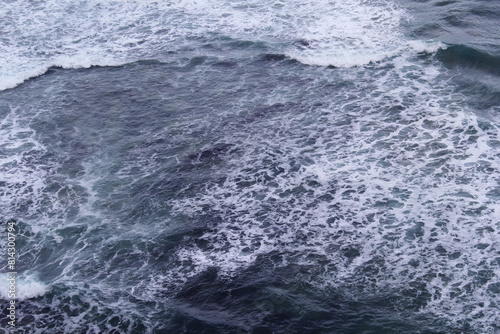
point(106, 33)
point(27, 286)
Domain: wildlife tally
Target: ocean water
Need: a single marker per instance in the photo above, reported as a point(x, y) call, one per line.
point(228, 166)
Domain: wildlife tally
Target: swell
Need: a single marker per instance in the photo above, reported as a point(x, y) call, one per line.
point(187, 62)
point(463, 56)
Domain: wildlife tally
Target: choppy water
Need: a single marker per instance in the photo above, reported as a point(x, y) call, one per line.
point(251, 166)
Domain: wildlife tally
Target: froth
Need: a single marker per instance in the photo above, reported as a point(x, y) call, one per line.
point(427, 46)
point(98, 32)
point(23, 182)
point(345, 34)
point(27, 286)
point(395, 189)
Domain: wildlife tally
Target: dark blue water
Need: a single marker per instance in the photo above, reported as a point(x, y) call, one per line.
point(230, 167)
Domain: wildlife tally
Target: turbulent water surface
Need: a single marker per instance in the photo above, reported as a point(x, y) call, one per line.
point(227, 166)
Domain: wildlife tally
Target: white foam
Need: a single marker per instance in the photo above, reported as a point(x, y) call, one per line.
point(101, 32)
point(427, 46)
point(27, 286)
point(389, 186)
point(22, 182)
point(346, 34)
point(399, 182)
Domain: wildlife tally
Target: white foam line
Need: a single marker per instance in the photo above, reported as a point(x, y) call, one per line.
point(107, 33)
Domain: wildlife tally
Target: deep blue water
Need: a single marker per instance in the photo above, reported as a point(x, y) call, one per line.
point(251, 167)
